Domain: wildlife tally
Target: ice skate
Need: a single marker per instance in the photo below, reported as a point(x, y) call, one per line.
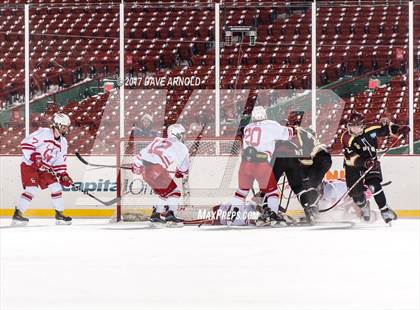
point(263, 219)
point(365, 212)
point(311, 213)
point(61, 219)
point(171, 219)
point(388, 214)
point(156, 220)
point(277, 220)
point(19, 219)
point(270, 218)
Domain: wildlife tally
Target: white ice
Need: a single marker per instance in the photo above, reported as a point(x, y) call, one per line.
point(96, 265)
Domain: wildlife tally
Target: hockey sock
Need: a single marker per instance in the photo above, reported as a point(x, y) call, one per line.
point(57, 196)
point(303, 198)
point(172, 202)
point(239, 198)
point(378, 194)
point(380, 199)
point(26, 198)
point(360, 200)
point(312, 196)
point(161, 203)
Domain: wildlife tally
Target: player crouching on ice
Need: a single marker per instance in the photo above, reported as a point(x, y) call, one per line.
point(44, 165)
point(258, 142)
point(360, 151)
point(153, 163)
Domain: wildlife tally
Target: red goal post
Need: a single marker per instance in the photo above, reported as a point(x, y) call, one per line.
point(212, 178)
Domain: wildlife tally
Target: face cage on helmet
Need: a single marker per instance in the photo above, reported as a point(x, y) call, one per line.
point(361, 125)
point(60, 130)
point(179, 136)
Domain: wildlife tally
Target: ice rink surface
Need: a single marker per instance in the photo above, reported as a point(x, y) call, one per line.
point(96, 265)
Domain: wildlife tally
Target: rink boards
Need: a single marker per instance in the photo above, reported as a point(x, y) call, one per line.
point(212, 181)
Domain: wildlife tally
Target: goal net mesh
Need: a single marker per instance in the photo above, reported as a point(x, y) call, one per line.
point(212, 177)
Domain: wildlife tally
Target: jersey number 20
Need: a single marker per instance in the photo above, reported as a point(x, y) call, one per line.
point(252, 136)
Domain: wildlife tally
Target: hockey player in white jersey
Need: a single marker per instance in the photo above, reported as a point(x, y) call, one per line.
point(331, 191)
point(153, 163)
point(258, 141)
point(44, 165)
point(237, 216)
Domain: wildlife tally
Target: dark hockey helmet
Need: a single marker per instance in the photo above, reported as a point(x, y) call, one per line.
point(356, 119)
point(295, 118)
point(356, 123)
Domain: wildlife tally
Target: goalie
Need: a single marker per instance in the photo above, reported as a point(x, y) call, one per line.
point(44, 165)
point(153, 163)
point(329, 192)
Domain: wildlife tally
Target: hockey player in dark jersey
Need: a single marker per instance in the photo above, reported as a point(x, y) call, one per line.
point(360, 145)
point(304, 161)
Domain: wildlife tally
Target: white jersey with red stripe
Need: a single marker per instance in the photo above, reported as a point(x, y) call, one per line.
point(332, 191)
point(243, 215)
point(346, 210)
point(262, 135)
point(53, 152)
point(165, 152)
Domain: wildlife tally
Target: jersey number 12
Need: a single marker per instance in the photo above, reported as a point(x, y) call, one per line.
point(158, 146)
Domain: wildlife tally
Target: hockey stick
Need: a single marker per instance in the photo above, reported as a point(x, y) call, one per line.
point(282, 190)
point(105, 203)
point(386, 183)
point(362, 176)
point(105, 166)
point(84, 161)
point(284, 210)
point(192, 152)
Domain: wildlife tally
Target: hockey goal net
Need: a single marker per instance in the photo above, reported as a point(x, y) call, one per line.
point(214, 163)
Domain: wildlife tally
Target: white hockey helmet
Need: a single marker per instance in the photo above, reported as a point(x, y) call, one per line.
point(62, 123)
point(258, 114)
point(176, 131)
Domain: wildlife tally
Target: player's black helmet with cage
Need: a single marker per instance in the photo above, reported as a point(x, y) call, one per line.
point(356, 123)
point(294, 118)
